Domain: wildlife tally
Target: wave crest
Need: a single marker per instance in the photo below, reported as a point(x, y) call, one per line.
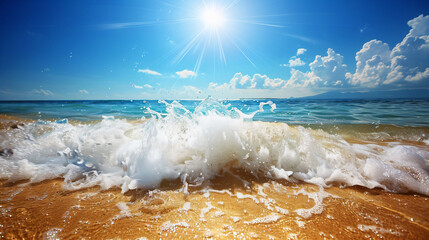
point(197, 146)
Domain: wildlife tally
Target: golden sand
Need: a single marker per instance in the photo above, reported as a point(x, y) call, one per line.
point(232, 209)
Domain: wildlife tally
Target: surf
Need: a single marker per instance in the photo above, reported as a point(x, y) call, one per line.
point(199, 144)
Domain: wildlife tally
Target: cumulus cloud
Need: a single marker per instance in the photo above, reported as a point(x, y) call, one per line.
point(150, 72)
point(301, 51)
point(273, 83)
point(296, 62)
point(297, 79)
point(137, 86)
point(46, 70)
point(42, 92)
point(141, 87)
point(218, 87)
point(418, 77)
point(186, 73)
point(240, 81)
point(406, 64)
point(192, 89)
point(372, 64)
point(83, 91)
point(325, 71)
point(328, 70)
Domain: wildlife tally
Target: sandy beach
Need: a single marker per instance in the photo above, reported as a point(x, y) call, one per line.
point(237, 204)
point(227, 209)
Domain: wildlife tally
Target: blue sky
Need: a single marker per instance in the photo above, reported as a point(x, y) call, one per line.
point(272, 48)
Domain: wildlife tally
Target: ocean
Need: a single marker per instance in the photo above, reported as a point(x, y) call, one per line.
point(401, 112)
point(258, 151)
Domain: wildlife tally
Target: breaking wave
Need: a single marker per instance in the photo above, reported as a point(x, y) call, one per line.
point(199, 145)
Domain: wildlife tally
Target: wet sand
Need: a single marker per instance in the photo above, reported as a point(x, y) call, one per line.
point(230, 209)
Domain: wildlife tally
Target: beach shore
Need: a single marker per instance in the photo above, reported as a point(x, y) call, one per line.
point(228, 209)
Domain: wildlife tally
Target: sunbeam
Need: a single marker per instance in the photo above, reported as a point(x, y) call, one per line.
point(217, 26)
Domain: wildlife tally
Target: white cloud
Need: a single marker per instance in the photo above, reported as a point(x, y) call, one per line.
point(141, 87)
point(372, 64)
point(406, 64)
point(42, 92)
point(137, 86)
point(217, 87)
point(273, 83)
point(46, 70)
point(376, 65)
point(192, 89)
point(297, 79)
point(83, 91)
point(328, 70)
point(296, 62)
point(186, 73)
point(301, 51)
point(410, 57)
point(150, 72)
point(419, 76)
point(240, 81)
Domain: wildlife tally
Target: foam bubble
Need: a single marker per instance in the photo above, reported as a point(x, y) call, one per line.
point(318, 203)
point(168, 226)
point(197, 146)
point(52, 234)
point(273, 217)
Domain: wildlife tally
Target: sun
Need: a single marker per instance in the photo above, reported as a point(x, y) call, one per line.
point(213, 18)
point(216, 32)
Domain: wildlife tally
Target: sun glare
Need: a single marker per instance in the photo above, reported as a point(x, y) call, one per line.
point(213, 18)
point(215, 32)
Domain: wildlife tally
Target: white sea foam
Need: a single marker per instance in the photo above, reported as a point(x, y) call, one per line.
point(196, 146)
point(235, 219)
point(376, 229)
point(125, 211)
point(168, 226)
point(318, 203)
point(206, 210)
point(186, 207)
point(52, 234)
point(273, 217)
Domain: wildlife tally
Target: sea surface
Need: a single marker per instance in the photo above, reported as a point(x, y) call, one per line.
point(401, 112)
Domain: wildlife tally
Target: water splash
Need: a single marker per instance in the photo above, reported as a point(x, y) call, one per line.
point(199, 145)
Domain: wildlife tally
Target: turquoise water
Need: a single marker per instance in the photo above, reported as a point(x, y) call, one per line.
point(403, 112)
